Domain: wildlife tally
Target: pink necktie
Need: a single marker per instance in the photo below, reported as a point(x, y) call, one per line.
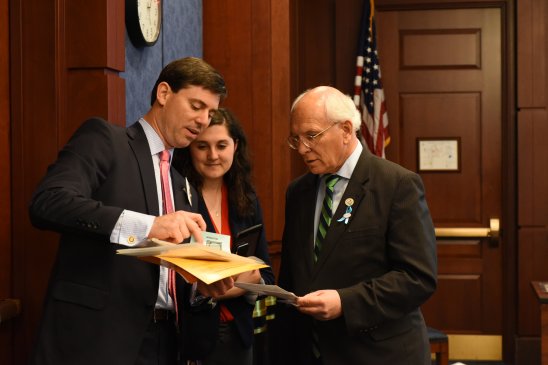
point(167, 203)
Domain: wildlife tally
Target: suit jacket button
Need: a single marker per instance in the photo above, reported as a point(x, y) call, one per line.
point(131, 239)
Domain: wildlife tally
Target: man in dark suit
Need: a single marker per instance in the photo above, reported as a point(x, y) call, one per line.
point(104, 193)
point(363, 263)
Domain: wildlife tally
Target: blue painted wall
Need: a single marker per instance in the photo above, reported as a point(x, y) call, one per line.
point(181, 36)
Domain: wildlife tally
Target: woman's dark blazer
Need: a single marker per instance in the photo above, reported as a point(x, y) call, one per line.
point(239, 307)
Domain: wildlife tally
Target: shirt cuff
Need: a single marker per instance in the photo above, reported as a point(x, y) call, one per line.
point(132, 228)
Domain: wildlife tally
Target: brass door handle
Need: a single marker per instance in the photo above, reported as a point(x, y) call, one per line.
point(9, 308)
point(493, 232)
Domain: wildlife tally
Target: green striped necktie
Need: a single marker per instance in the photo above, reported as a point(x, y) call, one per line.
point(326, 214)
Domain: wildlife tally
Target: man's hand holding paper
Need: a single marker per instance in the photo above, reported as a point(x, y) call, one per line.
point(323, 305)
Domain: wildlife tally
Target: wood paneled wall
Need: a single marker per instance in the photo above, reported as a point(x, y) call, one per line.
point(248, 41)
point(93, 56)
point(65, 58)
point(34, 144)
point(6, 351)
point(532, 125)
point(532, 177)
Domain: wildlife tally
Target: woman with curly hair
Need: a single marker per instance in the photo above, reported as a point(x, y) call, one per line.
point(219, 168)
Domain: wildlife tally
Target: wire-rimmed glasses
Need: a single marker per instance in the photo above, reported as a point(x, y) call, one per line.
point(308, 141)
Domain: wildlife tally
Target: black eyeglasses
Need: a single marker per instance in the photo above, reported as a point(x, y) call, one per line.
point(308, 141)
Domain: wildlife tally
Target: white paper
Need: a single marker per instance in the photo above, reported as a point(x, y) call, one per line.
point(147, 251)
point(187, 250)
point(215, 240)
point(273, 290)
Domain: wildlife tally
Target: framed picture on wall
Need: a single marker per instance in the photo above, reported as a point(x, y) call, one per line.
point(438, 154)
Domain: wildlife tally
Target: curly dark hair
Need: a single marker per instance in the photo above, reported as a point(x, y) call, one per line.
point(238, 178)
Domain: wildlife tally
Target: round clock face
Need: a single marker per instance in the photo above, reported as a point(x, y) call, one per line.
point(149, 13)
point(143, 21)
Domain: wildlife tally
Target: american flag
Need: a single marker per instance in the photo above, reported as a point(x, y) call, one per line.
point(368, 90)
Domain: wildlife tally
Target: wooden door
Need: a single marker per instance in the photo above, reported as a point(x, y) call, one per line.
point(442, 76)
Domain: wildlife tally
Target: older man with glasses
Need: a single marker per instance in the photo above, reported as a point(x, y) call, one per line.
point(358, 247)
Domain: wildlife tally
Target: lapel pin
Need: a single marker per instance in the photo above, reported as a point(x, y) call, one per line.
point(348, 213)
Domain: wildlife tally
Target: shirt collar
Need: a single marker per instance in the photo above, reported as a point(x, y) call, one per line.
point(347, 168)
point(154, 141)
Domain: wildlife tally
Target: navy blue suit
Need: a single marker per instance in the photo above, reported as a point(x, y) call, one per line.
point(99, 304)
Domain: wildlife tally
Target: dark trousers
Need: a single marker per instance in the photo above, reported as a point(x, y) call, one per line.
point(229, 349)
point(159, 345)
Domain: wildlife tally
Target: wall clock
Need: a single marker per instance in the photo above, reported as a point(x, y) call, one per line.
point(143, 21)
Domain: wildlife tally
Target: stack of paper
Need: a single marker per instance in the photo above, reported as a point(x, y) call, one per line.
point(195, 261)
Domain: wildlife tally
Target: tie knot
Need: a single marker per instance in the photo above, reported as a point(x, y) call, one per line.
point(331, 180)
point(164, 156)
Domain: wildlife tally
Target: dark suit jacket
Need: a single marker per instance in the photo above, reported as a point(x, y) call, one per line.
point(382, 263)
point(239, 307)
point(99, 304)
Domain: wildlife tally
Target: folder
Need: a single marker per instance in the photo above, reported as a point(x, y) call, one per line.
point(195, 261)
